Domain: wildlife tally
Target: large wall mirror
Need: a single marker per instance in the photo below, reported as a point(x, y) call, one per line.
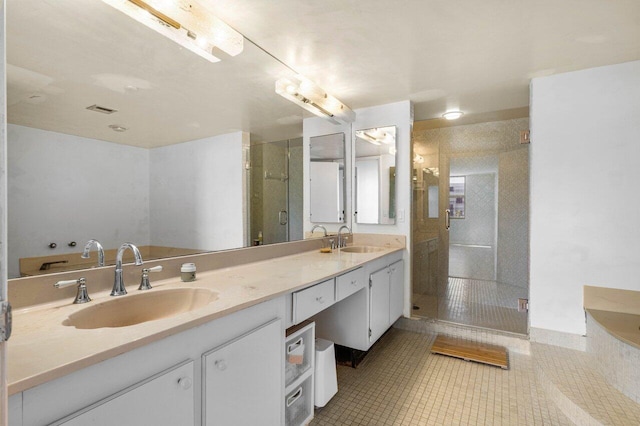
point(327, 180)
point(375, 175)
point(162, 161)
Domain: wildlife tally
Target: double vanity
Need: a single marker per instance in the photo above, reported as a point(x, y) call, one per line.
point(206, 352)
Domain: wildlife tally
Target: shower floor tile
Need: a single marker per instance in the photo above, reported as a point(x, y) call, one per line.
point(401, 383)
point(480, 303)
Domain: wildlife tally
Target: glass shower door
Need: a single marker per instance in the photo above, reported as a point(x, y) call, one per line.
point(482, 235)
point(276, 192)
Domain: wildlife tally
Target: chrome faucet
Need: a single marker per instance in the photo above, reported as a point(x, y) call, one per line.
point(118, 283)
point(87, 247)
point(319, 226)
point(341, 240)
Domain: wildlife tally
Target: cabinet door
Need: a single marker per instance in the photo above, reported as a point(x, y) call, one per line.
point(396, 295)
point(243, 379)
point(15, 409)
point(165, 399)
point(378, 303)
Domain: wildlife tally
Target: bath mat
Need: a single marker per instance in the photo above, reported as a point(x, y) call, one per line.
point(471, 351)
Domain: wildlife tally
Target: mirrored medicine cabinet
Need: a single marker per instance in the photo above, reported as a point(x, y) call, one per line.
point(375, 175)
point(327, 178)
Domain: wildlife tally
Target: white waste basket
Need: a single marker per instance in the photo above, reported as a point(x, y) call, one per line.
point(326, 381)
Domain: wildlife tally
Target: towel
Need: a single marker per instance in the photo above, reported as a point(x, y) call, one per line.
point(296, 356)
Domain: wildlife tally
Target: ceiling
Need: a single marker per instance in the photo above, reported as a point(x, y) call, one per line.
point(65, 55)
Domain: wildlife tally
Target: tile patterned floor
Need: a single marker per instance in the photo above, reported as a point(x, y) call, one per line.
point(479, 303)
point(581, 390)
point(401, 383)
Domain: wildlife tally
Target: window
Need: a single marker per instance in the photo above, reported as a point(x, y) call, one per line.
point(456, 196)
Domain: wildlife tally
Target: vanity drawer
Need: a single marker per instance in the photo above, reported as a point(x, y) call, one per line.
point(349, 283)
point(299, 404)
point(299, 352)
point(310, 301)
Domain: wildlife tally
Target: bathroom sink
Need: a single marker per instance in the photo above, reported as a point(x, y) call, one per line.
point(137, 308)
point(361, 249)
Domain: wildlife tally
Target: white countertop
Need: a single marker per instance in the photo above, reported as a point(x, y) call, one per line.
point(42, 349)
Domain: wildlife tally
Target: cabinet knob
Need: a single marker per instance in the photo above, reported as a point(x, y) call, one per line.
point(354, 282)
point(185, 382)
point(320, 299)
point(221, 364)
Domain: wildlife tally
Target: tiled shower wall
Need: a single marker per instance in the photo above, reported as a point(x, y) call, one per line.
point(499, 138)
point(280, 189)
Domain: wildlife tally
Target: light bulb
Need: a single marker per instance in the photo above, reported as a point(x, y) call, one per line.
point(452, 115)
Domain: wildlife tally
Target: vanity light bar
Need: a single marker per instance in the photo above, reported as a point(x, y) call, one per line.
point(307, 95)
point(164, 18)
point(185, 22)
point(376, 136)
point(367, 137)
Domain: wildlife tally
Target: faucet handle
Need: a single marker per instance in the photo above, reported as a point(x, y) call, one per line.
point(82, 296)
point(144, 281)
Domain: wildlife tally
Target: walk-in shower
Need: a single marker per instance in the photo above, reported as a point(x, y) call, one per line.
point(471, 224)
point(275, 194)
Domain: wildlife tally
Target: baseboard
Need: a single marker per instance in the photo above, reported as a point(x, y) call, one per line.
point(558, 338)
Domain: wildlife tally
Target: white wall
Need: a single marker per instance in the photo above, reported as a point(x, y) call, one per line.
point(585, 164)
point(64, 188)
point(197, 192)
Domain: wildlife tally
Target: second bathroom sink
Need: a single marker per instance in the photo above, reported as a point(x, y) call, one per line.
point(134, 309)
point(361, 249)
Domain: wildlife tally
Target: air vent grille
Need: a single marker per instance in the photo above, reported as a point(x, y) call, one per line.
point(101, 109)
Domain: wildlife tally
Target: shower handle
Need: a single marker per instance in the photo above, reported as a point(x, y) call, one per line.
point(447, 219)
point(283, 217)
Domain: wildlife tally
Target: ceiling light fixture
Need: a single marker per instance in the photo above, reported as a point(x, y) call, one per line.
point(452, 115)
point(304, 93)
point(186, 23)
point(432, 170)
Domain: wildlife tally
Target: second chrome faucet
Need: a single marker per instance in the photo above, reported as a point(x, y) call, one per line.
point(118, 282)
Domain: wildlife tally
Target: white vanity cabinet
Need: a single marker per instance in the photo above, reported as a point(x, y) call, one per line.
point(15, 409)
point(165, 399)
point(173, 380)
point(379, 290)
point(241, 385)
point(358, 320)
point(386, 298)
point(396, 290)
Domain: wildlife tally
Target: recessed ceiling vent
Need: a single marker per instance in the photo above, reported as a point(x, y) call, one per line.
point(104, 110)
